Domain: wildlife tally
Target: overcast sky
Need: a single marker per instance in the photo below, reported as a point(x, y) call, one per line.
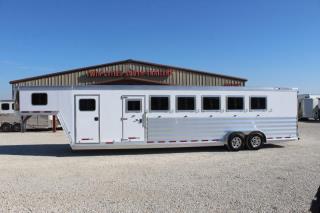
point(271, 43)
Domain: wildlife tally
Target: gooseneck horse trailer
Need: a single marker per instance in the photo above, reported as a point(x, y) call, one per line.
point(308, 106)
point(10, 121)
point(129, 116)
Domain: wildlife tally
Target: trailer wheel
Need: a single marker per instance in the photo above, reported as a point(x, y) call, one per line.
point(235, 141)
point(16, 127)
point(6, 127)
point(316, 115)
point(255, 141)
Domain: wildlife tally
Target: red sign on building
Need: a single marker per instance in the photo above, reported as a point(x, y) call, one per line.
point(129, 73)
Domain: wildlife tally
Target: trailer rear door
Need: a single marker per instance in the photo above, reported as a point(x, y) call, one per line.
point(132, 118)
point(87, 118)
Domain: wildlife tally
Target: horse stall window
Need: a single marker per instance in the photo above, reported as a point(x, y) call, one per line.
point(235, 103)
point(185, 103)
point(210, 103)
point(133, 105)
point(39, 99)
point(258, 103)
point(87, 104)
point(159, 103)
point(5, 106)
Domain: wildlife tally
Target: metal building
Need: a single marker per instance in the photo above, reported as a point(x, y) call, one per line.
point(131, 72)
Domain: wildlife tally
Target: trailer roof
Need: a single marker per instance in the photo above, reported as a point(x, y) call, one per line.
point(154, 87)
point(6, 100)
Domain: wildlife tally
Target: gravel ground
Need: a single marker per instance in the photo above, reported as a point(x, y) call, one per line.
point(38, 173)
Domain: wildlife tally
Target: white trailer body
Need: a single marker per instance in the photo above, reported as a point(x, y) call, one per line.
point(121, 116)
point(11, 121)
point(308, 106)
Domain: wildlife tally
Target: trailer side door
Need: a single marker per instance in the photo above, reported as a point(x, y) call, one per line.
point(133, 109)
point(87, 119)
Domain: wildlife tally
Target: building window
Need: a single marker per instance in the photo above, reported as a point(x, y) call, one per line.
point(12, 106)
point(5, 106)
point(235, 103)
point(39, 99)
point(159, 103)
point(258, 103)
point(87, 104)
point(210, 103)
point(186, 103)
point(133, 106)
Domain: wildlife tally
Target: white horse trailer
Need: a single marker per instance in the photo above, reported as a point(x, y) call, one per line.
point(308, 106)
point(124, 117)
point(11, 121)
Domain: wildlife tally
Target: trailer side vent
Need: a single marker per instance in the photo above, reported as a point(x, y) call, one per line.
point(39, 99)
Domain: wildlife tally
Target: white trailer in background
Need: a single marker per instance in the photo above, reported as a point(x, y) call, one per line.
point(11, 121)
point(308, 106)
point(124, 117)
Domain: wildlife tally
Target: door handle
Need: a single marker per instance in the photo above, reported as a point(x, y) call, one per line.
point(96, 119)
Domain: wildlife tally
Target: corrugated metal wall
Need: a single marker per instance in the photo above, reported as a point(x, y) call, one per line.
point(178, 77)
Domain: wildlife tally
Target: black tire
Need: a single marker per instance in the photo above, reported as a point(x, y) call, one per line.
point(16, 127)
point(235, 141)
point(6, 127)
point(255, 141)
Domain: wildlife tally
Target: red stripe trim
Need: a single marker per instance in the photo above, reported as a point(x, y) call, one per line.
point(132, 138)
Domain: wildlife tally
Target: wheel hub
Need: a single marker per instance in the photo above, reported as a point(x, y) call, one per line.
point(256, 141)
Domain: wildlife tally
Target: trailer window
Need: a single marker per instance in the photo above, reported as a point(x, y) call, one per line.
point(235, 103)
point(87, 104)
point(133, 106)
point(12, 106)
point(39, 98)
point(159, 103)
point(210, 103)
point(258, 103)
point(5, 106)
point(186, 103)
